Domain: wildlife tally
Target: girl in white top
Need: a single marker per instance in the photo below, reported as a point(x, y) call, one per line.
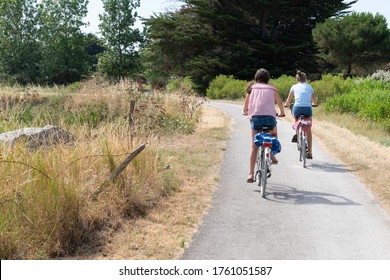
point(305, 98)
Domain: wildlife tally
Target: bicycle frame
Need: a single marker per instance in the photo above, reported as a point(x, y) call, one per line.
point(301, 129)
point(263, 164)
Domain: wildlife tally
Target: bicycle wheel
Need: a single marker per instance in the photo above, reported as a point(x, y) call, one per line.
point(299, 143)
point(258, 167)
point(264, 171)
point(304, 151)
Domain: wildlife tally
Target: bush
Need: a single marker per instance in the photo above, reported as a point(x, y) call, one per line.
point(366, 98)
point(283, 85)
point(226, 87)
point(331, 85)
point(177, 84)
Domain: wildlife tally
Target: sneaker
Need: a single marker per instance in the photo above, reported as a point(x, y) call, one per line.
point(294, 139)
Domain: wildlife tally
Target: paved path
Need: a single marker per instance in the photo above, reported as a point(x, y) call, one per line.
point(322, 212)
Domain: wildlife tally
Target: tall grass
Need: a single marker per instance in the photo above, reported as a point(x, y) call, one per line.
point(48, 207)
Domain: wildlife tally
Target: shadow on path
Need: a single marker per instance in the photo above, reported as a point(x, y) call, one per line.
point(332, 168)
point(286, 194)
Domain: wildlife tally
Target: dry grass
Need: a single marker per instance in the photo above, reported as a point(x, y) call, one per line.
point(166, 230)
point(47, 205)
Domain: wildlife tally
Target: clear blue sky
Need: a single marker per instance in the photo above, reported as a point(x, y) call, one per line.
point(148, 7)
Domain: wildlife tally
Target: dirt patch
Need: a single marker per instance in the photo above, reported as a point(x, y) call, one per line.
point(211, 118)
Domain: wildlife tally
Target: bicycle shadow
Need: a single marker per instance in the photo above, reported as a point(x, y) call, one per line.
point(333, 168)
point(286, 194)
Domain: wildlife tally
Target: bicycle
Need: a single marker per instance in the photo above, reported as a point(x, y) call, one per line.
point(301, 130)
point(266, 143)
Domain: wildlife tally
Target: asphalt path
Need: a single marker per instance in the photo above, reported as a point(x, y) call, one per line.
point(322, 212)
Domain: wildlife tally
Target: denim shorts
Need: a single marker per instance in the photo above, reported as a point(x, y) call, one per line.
point(258, 122)
point(306, 111)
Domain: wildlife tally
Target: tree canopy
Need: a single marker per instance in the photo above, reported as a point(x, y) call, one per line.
point(358, 39)
point(209, 37)
point(116, 25)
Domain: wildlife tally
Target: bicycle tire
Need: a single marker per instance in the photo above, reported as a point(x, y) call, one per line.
point(303, 152)
point(264, 171)
point(258, 167)
point(299, 143)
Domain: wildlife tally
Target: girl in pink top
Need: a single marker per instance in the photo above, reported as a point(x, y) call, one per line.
point(260, 108)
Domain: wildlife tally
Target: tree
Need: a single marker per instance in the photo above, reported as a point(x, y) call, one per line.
point(121, 41)
point(206, 38)
point(93, 47)
point(19, 47)
point(64, 59)
point(358, 39)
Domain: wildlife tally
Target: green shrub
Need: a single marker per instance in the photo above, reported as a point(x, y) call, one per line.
point(283, 85)
point(226, 87)
point(331, 85)
point(180, 84)
point(368, 99)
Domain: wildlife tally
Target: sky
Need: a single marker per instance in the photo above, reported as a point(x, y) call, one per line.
point(149, 7)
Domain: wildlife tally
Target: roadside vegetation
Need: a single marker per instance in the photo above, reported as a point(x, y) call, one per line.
point(48, 204)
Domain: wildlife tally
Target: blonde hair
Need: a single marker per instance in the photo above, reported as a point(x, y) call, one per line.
point(301, 76)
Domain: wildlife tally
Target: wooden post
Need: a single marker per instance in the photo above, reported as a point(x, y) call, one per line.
point(131, 118)
point(118, 170)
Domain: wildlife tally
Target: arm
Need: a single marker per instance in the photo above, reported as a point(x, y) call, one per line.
point(289, 98)
point(248, 91)
point(246, 104)
point(314, 100)
point(280, 104)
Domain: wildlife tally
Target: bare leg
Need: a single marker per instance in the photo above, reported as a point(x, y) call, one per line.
point(309, 139)
point(253, 155)
point(274, 133)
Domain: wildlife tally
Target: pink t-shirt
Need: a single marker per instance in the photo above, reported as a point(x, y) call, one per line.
point(262, 100)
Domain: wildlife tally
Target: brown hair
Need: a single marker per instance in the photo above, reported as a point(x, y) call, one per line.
point(262, 76)
point(301, 76)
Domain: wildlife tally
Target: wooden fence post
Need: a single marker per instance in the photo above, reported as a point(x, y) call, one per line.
point(131, 118)
point(118, 170)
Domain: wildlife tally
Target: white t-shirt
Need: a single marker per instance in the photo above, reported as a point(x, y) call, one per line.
point(302, 94)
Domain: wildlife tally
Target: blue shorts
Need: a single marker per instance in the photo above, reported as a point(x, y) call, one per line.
point(306, 111)
point(258, 122)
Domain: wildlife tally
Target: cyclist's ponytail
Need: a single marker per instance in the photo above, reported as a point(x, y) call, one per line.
point(301, 77)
